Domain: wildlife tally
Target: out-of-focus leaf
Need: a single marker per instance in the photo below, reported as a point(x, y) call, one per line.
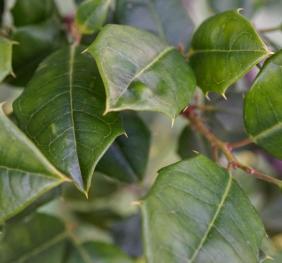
point(91, 15)
point(262, 109)
point(196, 212)
point(27, 12)
point(224, 48)
point(2, 8)
point(127, 158)
point(191, 141)
point(39, 238)
point(25, 174)
point(35, 42)
point(62, 111)
point(141, 72)
point(6, 47)
point(168, 19)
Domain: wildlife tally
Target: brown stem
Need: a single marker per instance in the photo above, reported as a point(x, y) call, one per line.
point(239, 144)
point(226, 148)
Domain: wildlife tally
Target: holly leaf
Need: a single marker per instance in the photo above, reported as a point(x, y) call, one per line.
point(6, 47)
point(141, 72)
point(262, 107)
point(202, 209)
point(91, 15)
point(61, 110)
point(224, 48)
point(27, 12)
point(127, 157)
point(169, 19)
point(25, 174)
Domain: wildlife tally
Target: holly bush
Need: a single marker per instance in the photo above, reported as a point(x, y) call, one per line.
point(140, 131)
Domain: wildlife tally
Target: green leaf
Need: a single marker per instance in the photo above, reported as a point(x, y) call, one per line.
point(61, 110)
point(224, 48)
point(197, 213)
point(98, 252)
point(27, 12)
point(91, 15)
point(39, 238)
point(6, 47)
point(25, 174)
point(35, 42)
point(262, 107)
point(141, 72)
point(127, 158)
point(168, 19)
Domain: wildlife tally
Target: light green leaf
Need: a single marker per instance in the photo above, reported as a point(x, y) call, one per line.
point(6, 47)
point(196, 213)
point(127, 158)
point(141, 72)
point(61, 110)
point(262, 107)
point(91, 15)
point(27, 12)
point(25, 174)
point(169, 19)
point(224, 48)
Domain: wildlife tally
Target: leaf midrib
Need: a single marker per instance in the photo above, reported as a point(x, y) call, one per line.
point(268, 132)
point(214, 218)
point(197, 51)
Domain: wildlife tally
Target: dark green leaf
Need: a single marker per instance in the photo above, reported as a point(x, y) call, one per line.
point(6, 47)
point(62, 111)
point(263, 111)
point(27, 12)
point(25, 174)
point(197, 213)
point(127, 158)
point(35, 42)
point(91, 15)
point(224, 48)
point(140, 72)
point(168, 19)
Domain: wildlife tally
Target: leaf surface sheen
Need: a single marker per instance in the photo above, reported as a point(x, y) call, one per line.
point(197, 213)
point(141, 72)
point(224, 48)
point(262, 107)
point(61, 110)
point(5, 57)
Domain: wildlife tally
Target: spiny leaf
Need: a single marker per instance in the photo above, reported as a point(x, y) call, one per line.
point(262, 107)
point(61, 111)
point(25, 174)
point(197, 213)
point(91, 15)
point(5, 57)
point(141, 72)
point(169, 19)
point(127, 158)
point(224, 48)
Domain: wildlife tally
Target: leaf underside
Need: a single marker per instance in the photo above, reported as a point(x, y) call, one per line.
point(197, 213)
point(61, 110)
point(262, 107)
point(224, 48)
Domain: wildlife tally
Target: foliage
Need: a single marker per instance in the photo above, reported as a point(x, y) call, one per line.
point(81, 144)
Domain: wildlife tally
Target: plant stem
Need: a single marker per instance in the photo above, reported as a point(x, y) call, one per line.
point(226, 148)
point(271, 29)
point(239, 144)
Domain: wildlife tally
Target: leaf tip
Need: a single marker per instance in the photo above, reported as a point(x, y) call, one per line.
point(240, 10)
point(207, 96)
point(224, 96)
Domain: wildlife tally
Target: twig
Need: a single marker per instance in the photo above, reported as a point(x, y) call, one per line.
point(271, 29)
point(226, 148)
point(239, 144)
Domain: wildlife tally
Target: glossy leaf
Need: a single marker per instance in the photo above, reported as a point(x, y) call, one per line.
point(35, 42)
point(39, 238)
point(262, 109)
point(61, 110)
point(141, 72)
point(91, 15)
point(25, 174)
point(27, 12)
point(224, 48)
point(169, 19)
point(127, 158)
point(6, 47)
point(197, 213)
